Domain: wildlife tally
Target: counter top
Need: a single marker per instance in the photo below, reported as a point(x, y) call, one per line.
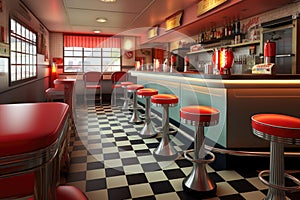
point(225, 76)
point(228, 81)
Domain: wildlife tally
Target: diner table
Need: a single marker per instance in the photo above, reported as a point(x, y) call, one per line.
point(33, 139)
point(68, 89)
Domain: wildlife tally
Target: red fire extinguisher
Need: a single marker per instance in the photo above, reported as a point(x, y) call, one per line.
point(269, 52)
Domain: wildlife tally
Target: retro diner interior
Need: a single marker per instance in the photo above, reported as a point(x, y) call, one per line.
point(149, 99)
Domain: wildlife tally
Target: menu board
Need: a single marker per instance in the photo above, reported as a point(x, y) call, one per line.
point(207, 5)
point(174, 21)
point(153, 32)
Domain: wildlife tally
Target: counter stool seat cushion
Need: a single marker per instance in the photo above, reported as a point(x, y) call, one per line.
point(199, 113)
point(126, 83)
point(277, 125)
point(147, 92)
point(134, 87)
point(68, 192)
point(30, 133)
point(164, 99)
point(55, 91)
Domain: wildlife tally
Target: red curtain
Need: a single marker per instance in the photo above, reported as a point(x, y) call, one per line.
point(91, 41)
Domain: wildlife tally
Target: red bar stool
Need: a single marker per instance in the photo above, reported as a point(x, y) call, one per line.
point(198, 181)
point(165, 149)
point(126, 98)
point(56, 93)
point(279, 130)
point(148, 129)
point(117, 78)
point(135, 114)
point(92, 86)
point(33, 149)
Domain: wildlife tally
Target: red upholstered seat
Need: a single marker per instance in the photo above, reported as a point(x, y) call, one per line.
point(199, 113)
point(277, 125)
point(164, 99)
point(68, 192)
point(119, 76)
point(126, 83)
point(55, 93)
point(146, 92)
point(134, 87)
point(30, 133)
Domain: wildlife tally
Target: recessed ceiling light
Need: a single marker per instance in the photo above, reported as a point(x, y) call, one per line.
point(101, 20)
point(96, 31)
point(108, 0)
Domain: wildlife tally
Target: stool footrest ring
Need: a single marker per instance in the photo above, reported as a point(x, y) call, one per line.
point(200, 161)
point(172, 129)
point(278, 187)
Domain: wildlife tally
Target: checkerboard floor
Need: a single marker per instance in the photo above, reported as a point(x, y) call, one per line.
point(109, 160)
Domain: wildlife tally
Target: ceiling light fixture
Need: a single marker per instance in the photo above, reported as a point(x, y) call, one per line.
point(101, 20)
point(96, 31)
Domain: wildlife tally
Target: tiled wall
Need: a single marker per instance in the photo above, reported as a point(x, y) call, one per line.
point(56, 45)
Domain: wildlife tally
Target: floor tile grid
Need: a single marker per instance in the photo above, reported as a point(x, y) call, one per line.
point(110, 161)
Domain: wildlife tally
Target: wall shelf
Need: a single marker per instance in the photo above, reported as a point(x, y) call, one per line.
point(255, 42)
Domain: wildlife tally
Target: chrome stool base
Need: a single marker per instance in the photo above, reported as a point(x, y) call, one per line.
point(135, 118)
point(199, 192)
point(148, 129)
point(165, 147)
point(198, 181)
point(172, 130)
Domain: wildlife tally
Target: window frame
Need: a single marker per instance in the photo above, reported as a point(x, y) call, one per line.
point(83, 57)
point(25, 59)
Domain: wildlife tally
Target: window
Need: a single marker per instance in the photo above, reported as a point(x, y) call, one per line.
point(91, 53)
point(23, 53)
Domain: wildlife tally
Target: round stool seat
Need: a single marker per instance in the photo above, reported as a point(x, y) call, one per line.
point(146, 92)
point(169, 99)
point(134, 87)
point(68, 192)
point(277, 126)
point(125, 84)
point(199, 114)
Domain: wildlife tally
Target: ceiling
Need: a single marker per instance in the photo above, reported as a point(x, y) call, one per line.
point(133, 17)
point(80, 15)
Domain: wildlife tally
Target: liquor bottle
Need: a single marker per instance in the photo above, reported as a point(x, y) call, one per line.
point(202, 38)
point(238, 27)
point(226, 31)
point(223, 32)
point(233, 28)
point(229, 30)
point(214, 30)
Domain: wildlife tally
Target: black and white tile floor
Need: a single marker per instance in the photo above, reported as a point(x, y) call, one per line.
point(110, 161)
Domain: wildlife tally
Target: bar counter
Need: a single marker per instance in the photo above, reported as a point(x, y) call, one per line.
point(238, 97)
